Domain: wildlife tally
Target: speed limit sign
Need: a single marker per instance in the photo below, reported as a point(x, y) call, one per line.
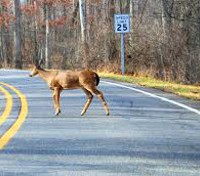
point(122, 26)
point(122, 23)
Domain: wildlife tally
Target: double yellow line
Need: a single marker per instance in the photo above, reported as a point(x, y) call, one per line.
point(7, 136)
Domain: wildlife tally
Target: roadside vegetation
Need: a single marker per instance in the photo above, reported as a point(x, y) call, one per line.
point(187, 91)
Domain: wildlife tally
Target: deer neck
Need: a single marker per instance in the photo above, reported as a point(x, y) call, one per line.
point(46, 75)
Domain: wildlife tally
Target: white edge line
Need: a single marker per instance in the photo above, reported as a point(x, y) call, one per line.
point(155, 96)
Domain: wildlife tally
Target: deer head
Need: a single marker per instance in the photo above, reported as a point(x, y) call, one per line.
point(35, 69)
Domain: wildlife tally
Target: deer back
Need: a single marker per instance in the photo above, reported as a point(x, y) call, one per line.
point(88, 78)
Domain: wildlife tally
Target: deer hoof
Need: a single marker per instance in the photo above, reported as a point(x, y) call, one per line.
point(57, 112)
point(107, 113)
point(82, 113)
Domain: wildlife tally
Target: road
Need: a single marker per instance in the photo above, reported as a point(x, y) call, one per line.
point(149, 132)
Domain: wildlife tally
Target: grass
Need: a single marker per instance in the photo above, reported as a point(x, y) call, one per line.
point(187, 91)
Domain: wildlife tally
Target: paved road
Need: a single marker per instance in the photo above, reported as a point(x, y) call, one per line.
point(144, 136)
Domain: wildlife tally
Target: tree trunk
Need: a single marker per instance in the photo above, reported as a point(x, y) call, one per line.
point(82, 11)
point(36, 54)
point(17, 36)
point(46, 14)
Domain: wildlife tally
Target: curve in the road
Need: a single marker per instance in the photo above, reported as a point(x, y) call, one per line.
point(21, 118)
point(156, 96)
point(8, 107)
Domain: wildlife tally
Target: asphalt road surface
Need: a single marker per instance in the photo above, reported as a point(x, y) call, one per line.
point(149, 132)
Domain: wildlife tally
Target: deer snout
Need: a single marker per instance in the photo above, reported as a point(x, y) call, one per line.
point(30, 75)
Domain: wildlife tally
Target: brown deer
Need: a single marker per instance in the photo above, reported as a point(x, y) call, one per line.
point(59, 80)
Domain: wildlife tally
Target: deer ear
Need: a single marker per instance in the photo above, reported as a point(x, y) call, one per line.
point(39, 65)
point(40, 62)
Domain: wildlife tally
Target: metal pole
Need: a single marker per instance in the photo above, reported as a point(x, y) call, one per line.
point(122, 54)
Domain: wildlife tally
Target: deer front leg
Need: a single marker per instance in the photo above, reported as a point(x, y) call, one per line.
point(89, 100)
point(56, 101)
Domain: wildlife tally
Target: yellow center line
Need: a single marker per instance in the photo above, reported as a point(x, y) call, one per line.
point(9, 104)
point(5, 138)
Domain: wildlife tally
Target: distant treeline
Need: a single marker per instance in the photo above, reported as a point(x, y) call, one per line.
point(164, 41)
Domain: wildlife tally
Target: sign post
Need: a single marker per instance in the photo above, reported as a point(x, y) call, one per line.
point(122, 54)
point(122, 26)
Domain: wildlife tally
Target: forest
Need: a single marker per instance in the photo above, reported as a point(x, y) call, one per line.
point(164, 38)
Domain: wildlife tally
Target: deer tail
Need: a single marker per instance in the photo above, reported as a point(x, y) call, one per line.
point(97, 79)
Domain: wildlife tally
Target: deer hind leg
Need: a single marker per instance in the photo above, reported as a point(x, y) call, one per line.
point(89, 100)
point(56, 100)
point(101, 97)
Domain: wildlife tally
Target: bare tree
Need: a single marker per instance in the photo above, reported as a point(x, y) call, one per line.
point(46, 17)
point(83, 22)
point(17, 36)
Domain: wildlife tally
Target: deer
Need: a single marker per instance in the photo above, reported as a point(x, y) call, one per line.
point(59, 80)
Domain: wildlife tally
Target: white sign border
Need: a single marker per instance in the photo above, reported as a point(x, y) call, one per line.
point(115, 23)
